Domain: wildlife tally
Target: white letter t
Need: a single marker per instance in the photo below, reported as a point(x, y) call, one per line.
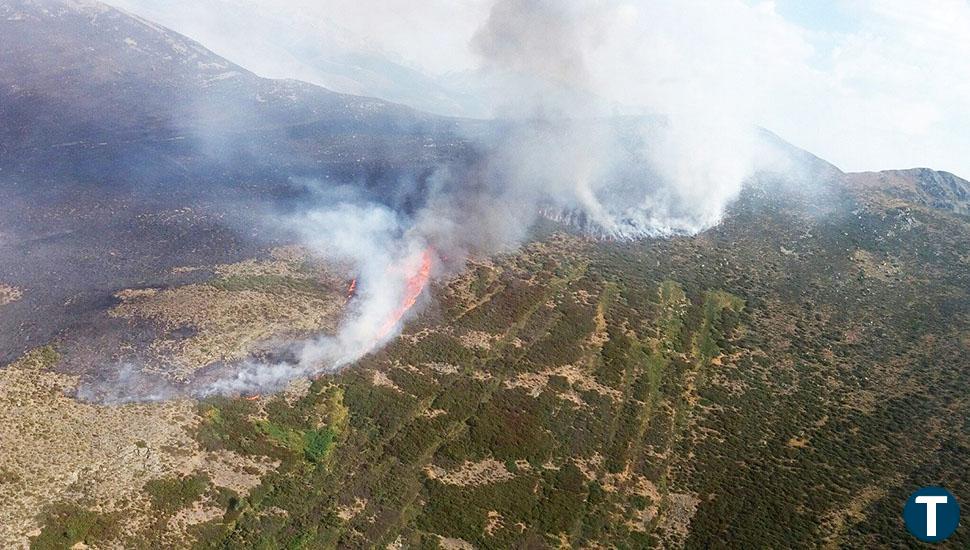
point(931, 503)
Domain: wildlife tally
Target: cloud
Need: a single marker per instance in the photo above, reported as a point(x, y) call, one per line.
point(896, 87)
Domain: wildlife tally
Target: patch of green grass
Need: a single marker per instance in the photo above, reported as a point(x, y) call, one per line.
point(706, 341)
point(48, 356)
point(281, 435)
point(671, 325)
point(44, 357)
point(317, 444)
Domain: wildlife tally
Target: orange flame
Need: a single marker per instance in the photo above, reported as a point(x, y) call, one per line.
point(351, 290)
point(412, 291)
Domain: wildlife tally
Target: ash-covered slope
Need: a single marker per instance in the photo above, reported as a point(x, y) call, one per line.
point(98, 94)
point(127, 150)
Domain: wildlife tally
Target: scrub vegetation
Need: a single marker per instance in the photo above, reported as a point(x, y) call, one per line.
point(752, 386)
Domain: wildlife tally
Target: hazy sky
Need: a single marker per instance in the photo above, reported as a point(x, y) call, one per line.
point(865, 84)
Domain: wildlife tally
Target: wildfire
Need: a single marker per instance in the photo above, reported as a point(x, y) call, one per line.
point(351, 290)
point(412, 291)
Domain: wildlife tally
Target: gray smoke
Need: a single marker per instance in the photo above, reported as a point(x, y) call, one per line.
point(623, 176)
point(565, 153)
point(365, 241)
point(544, 40)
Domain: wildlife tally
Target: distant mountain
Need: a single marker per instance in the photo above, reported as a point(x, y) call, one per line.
point(93, 92)
point(278, 44)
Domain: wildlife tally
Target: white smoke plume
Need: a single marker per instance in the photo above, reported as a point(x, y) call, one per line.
point(563, 152)
point(673, 171)
point(381, 255)
point(368, 243)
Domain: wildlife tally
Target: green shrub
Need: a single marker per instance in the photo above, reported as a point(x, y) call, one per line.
point(172, 494)
point(67, 524)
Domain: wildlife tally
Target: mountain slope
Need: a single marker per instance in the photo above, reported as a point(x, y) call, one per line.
point(606, 394)
point(81, 83)
point(285, 43)
point(784, 379)
point(922, 186)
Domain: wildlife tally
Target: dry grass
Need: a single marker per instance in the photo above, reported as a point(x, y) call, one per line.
point(478, 339)
point(679, 510)
point(472, 473)
point(875, 268)
point(9, 294)
point(231, 316)
point(535, 382)
point(454, 544)
point(838, 521)
point(495, 522)
point(380, 378)
point(349, 512)
point(54, 448)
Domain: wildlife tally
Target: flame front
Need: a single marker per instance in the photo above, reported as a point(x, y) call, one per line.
point(412, 291)
point(351, 290)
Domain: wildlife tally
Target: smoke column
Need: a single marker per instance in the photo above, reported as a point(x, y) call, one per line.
point(390, 264)
point(564, 152)
point(582, 157)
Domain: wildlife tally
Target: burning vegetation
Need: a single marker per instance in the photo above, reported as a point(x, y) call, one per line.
point(413, 288)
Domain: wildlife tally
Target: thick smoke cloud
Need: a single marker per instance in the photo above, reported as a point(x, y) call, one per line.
point(542, 39)
point(623, 177)
point(560, 151)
